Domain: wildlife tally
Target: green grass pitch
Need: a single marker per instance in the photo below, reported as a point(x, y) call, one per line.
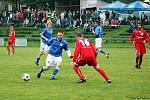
point(128, 83)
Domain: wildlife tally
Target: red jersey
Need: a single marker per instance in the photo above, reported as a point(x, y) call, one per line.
point(139, 36)
point(84, 49)
point(12, 36)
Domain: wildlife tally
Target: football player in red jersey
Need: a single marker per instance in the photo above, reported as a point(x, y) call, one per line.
point(11, 40)
point(139, 37)
point(85, 53)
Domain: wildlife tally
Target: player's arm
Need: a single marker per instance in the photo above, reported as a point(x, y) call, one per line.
point(93, 48)
point(132, 38)
point(42, 34)
point(76, 52)
point(147, 37)
point(50, 41)
point(66, 47)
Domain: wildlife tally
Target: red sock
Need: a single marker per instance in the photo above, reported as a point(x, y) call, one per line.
point(8, 49)
point(103, 74)
point(79, 73)
point(13, 50)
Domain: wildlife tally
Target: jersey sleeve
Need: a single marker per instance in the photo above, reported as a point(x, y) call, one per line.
point(93, 48)
point(43, 32)
point(132, 38)
point(50, 42)
point(147, 38)
point(66, 47)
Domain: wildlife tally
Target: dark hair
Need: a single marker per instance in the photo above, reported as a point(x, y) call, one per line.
point(97, 21)
point(79, 34)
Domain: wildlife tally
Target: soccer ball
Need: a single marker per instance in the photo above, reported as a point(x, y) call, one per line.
point(26, 77)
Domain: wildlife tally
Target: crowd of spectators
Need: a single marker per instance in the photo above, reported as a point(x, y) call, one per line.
point(75, 19)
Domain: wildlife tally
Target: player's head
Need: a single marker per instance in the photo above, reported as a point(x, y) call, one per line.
point(11, 28)
point(49, 24)
point(60, 35)
point(97, 22)
point(139, 26)
point(79, 35)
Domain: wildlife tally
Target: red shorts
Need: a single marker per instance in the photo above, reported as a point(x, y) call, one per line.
point(140, 48)
point(10, 42)
point(82, 62)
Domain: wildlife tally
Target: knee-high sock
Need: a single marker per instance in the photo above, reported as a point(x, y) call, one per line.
point(102, 51)
point(55, 71)
point(8, 49)
point(101, 72)
point(43, 69)
point(13, 49)
point(39, 56)
point(140, 60)
point(79, 73)
point(137, 60)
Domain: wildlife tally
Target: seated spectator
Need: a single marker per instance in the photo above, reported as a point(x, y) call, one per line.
point(114, 24)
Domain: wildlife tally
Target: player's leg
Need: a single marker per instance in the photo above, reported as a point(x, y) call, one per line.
point(44, 68)
point(58, 62)
point(137, 60)
point(98, 45)
point(42, 50)
point(38, 58)
point(8, 48)
point(101, 72)
point(77, 70)
point(142, 52)
point(140, 61)
point(13, 49)
point(49, 63)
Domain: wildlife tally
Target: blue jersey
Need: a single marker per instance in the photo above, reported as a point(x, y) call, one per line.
point(46, 33)
point(56, 46)
point(99, 31)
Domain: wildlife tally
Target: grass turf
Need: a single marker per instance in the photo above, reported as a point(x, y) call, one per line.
point(127, 82)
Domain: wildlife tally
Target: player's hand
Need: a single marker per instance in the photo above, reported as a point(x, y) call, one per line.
point(71, 57)
point(46, 39)
point(144, 41)
point(133, 42)
point(72, 64)
point(93, 32)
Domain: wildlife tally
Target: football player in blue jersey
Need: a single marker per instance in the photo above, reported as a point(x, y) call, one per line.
point(98, 41)
point(46, 35)
point(55, 54)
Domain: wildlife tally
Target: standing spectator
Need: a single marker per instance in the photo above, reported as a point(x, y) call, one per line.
point(46, 35)
point(98, 41)
point(143, 17)
point(11, 40)
point(55, 55)
point(107, 14)
point(85, 53)
point(139, 37)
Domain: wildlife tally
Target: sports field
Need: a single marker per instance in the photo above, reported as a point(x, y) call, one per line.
point(128, 83)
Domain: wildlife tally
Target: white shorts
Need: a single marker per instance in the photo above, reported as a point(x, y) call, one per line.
point(98, 42)
point(43, 47)
point(51, 60)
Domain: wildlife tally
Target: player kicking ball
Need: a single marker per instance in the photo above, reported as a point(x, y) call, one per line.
point(55, 55)
point(85, 53)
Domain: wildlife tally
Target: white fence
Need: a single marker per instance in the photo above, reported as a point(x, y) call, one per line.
point(18, 41)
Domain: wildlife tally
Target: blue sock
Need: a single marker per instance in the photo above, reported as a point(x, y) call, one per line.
point(102, 51)
point(55, 71)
